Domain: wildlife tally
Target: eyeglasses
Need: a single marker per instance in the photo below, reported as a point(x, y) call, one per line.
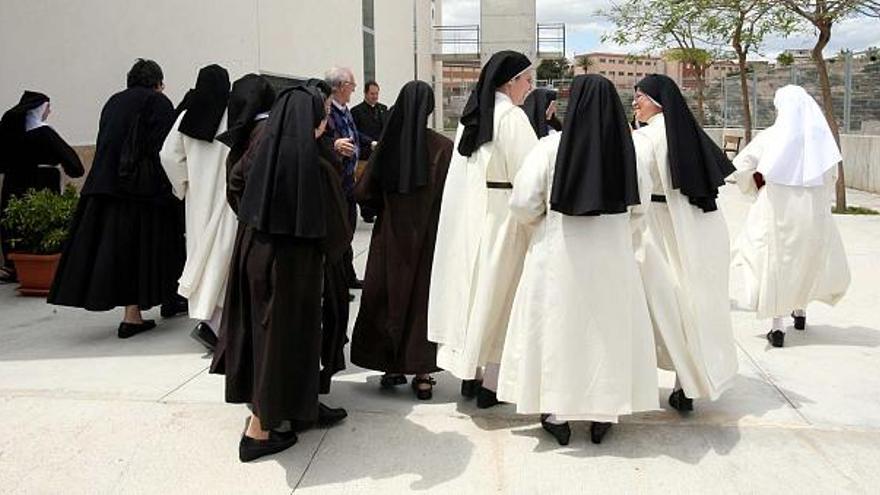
point(353, 85)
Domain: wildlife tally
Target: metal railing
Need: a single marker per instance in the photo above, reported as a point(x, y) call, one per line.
point(550, 39)
point(457, 40)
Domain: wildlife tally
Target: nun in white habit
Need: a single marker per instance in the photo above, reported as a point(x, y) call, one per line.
point(195, 162)
point(683, 247)
point(790, 252)
point(580, 346)
point(479, 250)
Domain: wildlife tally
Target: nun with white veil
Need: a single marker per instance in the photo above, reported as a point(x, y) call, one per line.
point(790, 252)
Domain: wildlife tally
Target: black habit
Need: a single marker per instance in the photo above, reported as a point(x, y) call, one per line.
point(24, 151)
point(535, 107)
point(270, 344)
point(404, 182)
point(370, 120)
point(126, 244)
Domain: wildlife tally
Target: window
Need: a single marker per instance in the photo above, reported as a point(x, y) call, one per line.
point(369, 16)
point(601, 60)
point(369, 41)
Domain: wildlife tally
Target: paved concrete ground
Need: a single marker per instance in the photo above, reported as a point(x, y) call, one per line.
point(84, 412)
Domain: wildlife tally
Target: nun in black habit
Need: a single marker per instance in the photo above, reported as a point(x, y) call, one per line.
point(29, 144)
point(540, 108)
point(126, 245)
point(404, 183)
point(292, 218)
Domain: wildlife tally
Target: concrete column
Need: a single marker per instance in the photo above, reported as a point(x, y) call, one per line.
point(508, 25)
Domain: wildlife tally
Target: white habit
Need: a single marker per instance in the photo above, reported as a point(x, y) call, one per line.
point(790, 251)
point(684, 257)
point(580, 343)
point(479, 250)
point(197, 171)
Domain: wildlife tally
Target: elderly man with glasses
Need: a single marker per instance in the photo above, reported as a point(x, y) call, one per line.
point(346, 143)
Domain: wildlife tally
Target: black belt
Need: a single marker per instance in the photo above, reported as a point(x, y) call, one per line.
point(499, 185)
point(658, 198)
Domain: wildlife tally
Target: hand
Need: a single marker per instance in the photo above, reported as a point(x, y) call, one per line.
point(344, 146)
point(551, 110)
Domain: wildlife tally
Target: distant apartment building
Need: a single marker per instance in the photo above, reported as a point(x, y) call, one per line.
point(621, 69)
point(626, 70)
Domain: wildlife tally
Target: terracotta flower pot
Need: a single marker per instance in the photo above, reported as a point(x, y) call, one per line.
point(35, 272)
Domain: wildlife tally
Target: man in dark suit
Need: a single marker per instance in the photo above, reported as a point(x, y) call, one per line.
point(369, 117)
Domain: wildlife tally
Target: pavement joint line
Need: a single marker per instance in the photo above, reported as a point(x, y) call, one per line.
point(773, 384)
point(513, 421)
point(184, 383)
point(311, 460)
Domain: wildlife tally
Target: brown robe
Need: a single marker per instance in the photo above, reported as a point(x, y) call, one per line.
point(390, 333)
point(270, 343)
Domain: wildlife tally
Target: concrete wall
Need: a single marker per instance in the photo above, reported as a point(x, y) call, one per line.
point(79, 52)
point(508, 25)
point(861, 157)
point(306, 39)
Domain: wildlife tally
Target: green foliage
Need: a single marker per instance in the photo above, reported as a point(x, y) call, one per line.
point(584, 62)
point(855, 210)
point(558, 68)
point(38, 221)
point(785, 59)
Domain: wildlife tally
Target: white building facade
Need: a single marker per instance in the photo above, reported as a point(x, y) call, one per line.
point(79, 52)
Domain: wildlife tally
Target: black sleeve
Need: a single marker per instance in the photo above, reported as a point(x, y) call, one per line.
point(161, 120)
point(53, 150)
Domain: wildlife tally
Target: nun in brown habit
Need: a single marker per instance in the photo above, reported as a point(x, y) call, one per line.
point(290, 221)
point(404, 183)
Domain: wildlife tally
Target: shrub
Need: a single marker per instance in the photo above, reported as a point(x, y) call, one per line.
point(37, 222)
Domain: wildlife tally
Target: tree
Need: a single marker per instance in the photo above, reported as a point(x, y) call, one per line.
point(785, 59)
point(584, 62)
point(823, 14)
point(661, 23)
point(744, 24)
point(556, 68)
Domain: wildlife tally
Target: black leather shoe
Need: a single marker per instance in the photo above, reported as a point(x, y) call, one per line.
point(250, 449)
point(175, 307)
point(598, 431)
point(469, 388)
point(681, 402)
point(127, 330)
point(329, 416)
point(800, 322)
point(203, 334)
point(487, 398)
point(776, 338)
point(562, 433)
point(391, 380)
point(356, 284)
point(423, 393)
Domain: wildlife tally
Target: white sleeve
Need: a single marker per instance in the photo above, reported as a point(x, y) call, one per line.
point(644, 161)
point(173, 156)
point(746, 162)
point(528, 202)
point(515, 131)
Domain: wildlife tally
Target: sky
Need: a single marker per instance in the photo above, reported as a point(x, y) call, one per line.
point(584, 29)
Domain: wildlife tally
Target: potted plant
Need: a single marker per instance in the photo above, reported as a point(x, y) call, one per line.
point(37, 224)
